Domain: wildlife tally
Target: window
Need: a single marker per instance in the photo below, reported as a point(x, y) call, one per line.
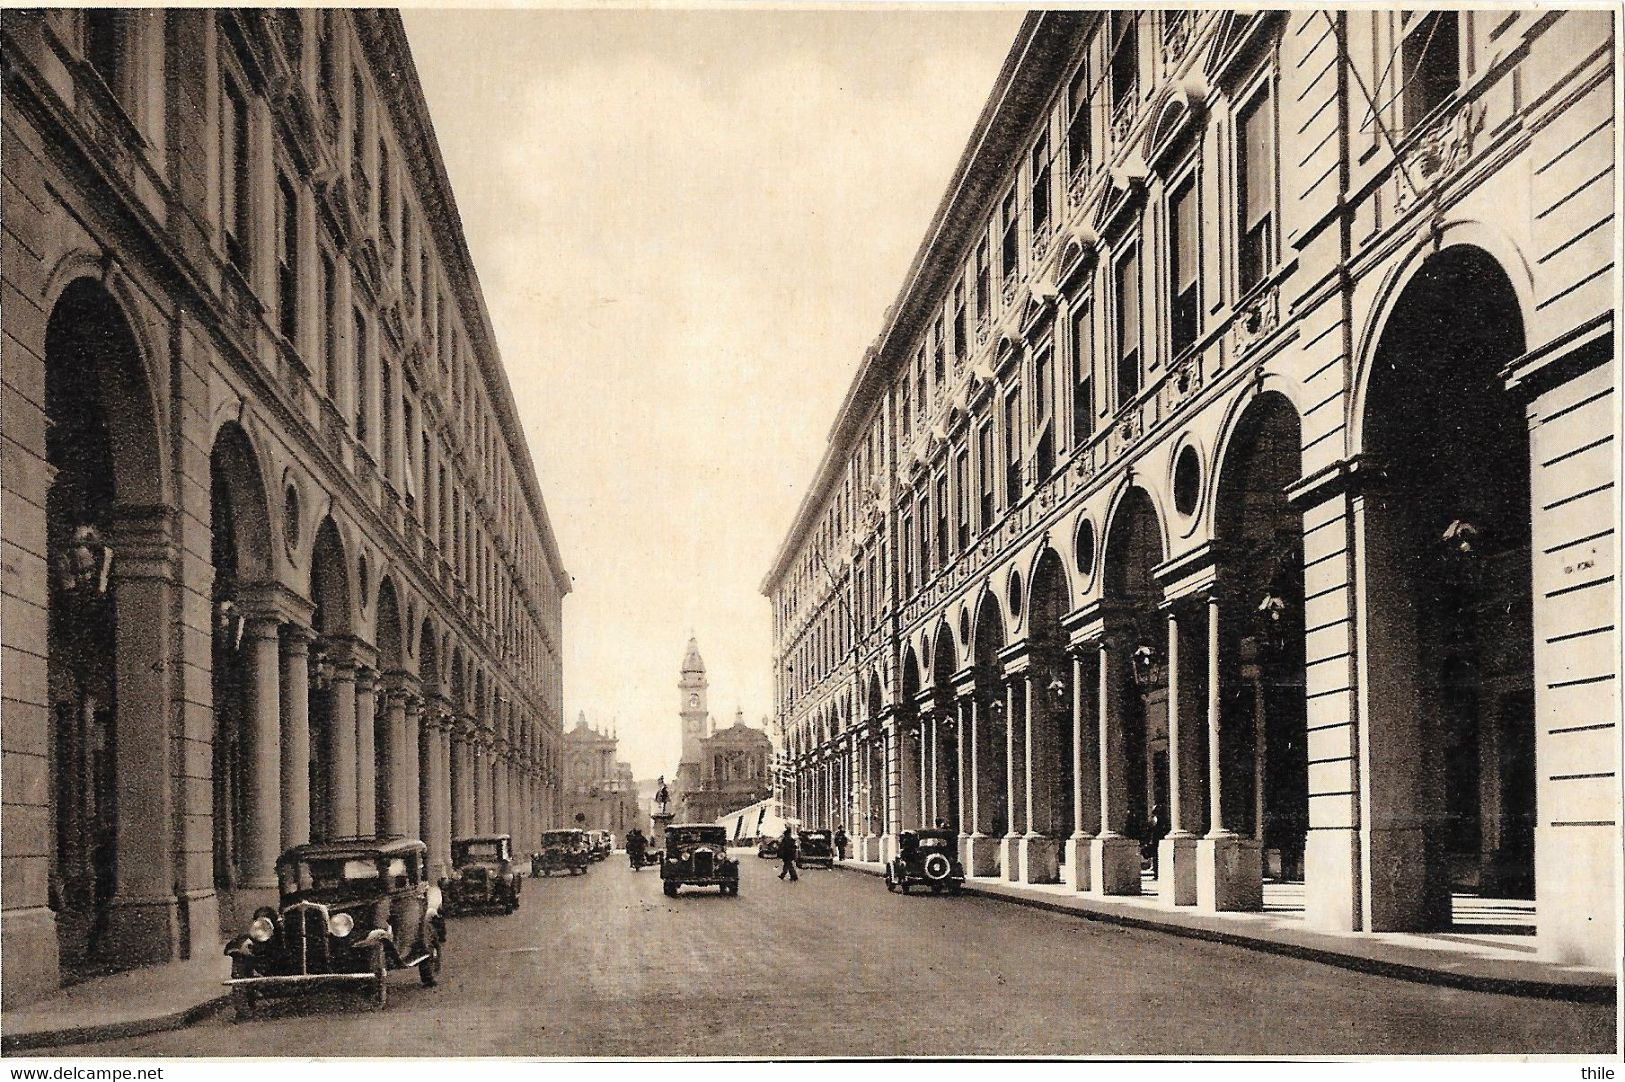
point(1077, 125)
point(235, 183)
point(984, 471)
point(1043, 371)
point(924, 503)
point(959, 322)
point(1431, 59)
point(360, 347)
point(1255, 175)
point(104, 32)
point(1012, 447)
point(1083, 391)
point(358, 116)
point(939, 369)
point(386, 207)
point(919, 382)
point(907, 536)
point(962, 494)
point(1040, 181)
point(1184, 267)
point(287, 259)
point(1010, 246)
point(905, 403)
point(1124, 28)
point(386, 416)
point(1128, 328)
point(332, 318)
point(942, 520)
point(984, 278)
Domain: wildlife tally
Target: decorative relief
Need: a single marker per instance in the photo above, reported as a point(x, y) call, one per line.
point(1078, 191)
point(1254, 321)
point(1008, 291)
point(984, 329)
point(1177, 33)
point(1123, 116)
point(1440, 152)
point(1041, 242)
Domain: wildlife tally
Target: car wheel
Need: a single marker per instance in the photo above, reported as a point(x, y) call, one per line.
point(669, 887)
point(380, 970)
point(891, 884)
point(429, 968)
point(243, 1000)
point(902, 883)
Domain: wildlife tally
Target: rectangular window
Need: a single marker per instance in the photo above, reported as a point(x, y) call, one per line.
point(905, 404)
point(984, 475)
point(1128, 328)
point(1431, 56)
point(1083, 366)
point(907, 545)
point(1255, 175)
point(360, 348)
point(287, 259)
point(386, 207)
point(1077, 125)
point(1040, 181)
point(1010, 246)
point(104, 33)
point(959, 322)
point(386, 416)
point(358, 115)
point(235, 181)
point(1124, 27)
point(1184, 268)
point(939, 366)
point(984, 278)
point(1043, 372)
point(942, 521)
point(919, 383)
point(962, 494)
point(1012, 448)
point(924, 504)
point(332, 319)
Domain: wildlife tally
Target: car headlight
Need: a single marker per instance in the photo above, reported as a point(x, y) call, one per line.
point(261, 930)
point(340, 924)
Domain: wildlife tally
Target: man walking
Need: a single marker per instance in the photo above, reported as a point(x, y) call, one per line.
point(787, 855)
point(840, 843)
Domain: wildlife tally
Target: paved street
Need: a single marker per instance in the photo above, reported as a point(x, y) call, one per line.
point(834, 966)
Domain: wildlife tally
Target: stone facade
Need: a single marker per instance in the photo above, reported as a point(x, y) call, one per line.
point(276, 562)
point(1235, 474)
point(600, 792)
point(719, 771)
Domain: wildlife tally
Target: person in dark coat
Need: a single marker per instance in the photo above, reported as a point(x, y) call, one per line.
point(636, 848)
point(840, 843)
point(787, 855)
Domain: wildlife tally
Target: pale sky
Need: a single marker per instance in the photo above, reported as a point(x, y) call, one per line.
point(688, 225)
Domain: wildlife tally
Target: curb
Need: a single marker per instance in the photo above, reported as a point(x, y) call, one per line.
point(1511, 986)
point(110, 1031)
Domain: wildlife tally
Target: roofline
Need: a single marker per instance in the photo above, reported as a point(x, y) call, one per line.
point(982, 163)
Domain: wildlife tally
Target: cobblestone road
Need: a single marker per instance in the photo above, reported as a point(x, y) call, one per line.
point(833, 965)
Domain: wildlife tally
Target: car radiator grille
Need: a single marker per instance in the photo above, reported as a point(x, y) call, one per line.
point(307, 934)
point(704, 864)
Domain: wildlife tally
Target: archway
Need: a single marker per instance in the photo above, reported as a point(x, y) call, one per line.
point(1050, 753)
point(389, 722)
point(944, 746)
point(1263, 752)
point(874, 776)
point(1137, 682)
point(990, 814)
point(460, 814)
point(1446, 599)
point(909, 747)
point(332, 693)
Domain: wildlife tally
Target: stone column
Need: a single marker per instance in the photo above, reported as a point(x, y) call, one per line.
point(392, 799)
point(1176, 859)
point(1115, 857)
point(928, 769)
point(1010, 849)
point(445, 799)
point(1077, 870)
point(409, 789)
point(499, 798)
point(459, 781)
point(1229, 867)
point(1040, 856)
point(341, 751)
point(961, 707)
point(366, 752)
point(981, 848)
point(295, 747)
point(910, 791)
point(263, 781)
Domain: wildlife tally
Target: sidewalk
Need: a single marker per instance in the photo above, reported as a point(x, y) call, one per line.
point(1460, 959)
point(128, 1004)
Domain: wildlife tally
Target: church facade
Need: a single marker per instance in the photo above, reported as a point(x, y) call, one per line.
point(720, 771)
point(600, 792)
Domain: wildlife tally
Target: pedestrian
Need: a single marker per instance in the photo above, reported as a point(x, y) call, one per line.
point(1155, 830)
point(787, 855)
point(636, 847)
point(840, 843)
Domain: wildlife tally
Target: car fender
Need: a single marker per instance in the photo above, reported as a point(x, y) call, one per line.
point(240, 947)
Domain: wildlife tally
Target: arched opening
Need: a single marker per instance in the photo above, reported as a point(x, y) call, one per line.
point(991, 806)
point(388, 757)
point(1263, 749)
point(1446, 539)
point(429, 760)
point(909, 749)
point(332, 693)
point(101, 444)
point(944, 746)
point(1138, 724)
point(240, 553)
point(460, 814)
point(874, 777)
point(1051, 751)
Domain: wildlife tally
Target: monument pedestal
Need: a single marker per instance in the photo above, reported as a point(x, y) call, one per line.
point(658, 822)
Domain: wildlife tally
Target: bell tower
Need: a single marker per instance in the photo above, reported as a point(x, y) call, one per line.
point(693, 706)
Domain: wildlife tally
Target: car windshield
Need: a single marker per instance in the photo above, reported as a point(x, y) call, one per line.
point(491, 850)
point(816, 835)
point(935, 843)
point(560, 837)
point(697, 835)
point(328, 873)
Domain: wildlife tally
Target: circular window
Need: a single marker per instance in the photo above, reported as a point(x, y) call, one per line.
point(1187, 481)
point(290, 516)
point(1084, 550)
point(1015, 595)
point(964, 626)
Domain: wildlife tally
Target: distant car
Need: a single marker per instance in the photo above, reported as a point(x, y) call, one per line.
point(928, 857)
point(598, 844)
point(767, 847)
point(483, 874)
point(563, 850)
point(348, 912)
point(815, 848)
point(697, 854)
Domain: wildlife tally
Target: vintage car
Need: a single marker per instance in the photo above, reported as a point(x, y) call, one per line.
point(697, 854)
point(598, 844)
point(928, 857)
point(484, 875)
point(564, 850)
point(814, 849)
point(348, 912)
point(767, 847)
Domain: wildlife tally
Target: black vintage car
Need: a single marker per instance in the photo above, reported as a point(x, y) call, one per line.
point(815, 849)
point(483, 875)
point(349, 911)
point(928, 857)
point(767, 846)
point(697, 854)
point(599, 845)
point(563, 850)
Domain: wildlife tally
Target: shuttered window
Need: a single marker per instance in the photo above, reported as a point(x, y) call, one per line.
point(1185, 262)
point(1128, 327)
point(1083, 361)
point(1255, 172)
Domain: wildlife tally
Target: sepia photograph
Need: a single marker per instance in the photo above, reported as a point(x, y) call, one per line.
point(833, 531)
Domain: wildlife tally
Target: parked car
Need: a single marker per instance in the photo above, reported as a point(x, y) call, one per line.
point(483, 874)
point(929, 857)
point(598, 844)
point(767, 847)
point(815, 849)
point(348, 913)
point(697, 854)
point(564, 850)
